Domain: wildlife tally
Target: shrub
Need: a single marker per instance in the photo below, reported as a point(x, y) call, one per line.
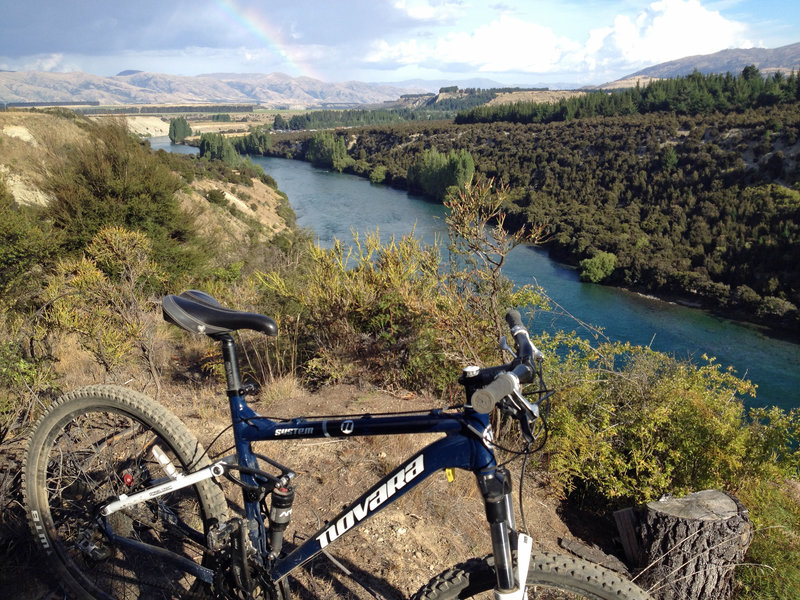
point(598, 268)
point(327, 150)
point(29, 244)
point(102, 298)
point(630, 424)
point(378, 174)
point(116, 181)
point(434, 173)
point(394, 310)
point(773, 569)
point(217, 197)
point(23, 384)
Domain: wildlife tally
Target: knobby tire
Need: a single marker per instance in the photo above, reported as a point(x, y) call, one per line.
point(92, 445)
point(550, 577)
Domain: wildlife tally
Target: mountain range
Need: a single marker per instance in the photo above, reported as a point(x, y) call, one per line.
point(138, 87)
point(785, 58)
point(278, 90)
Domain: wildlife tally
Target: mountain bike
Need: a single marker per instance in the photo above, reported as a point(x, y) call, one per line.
point(124, 502)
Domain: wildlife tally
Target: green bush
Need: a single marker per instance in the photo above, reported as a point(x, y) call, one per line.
point(217, 197)
point(327, 150)
point(392, 311)
point(772, 570)
point(434, 174)
point(598, 268)
point(114, 180)
point(29, 244)
point(103, 298)
point(24, 383)
point(378, 174)
point(630, 424)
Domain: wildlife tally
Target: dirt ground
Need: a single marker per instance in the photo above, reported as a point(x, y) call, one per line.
point(434, 527)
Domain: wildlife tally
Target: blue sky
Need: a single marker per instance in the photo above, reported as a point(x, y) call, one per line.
point(509, 41)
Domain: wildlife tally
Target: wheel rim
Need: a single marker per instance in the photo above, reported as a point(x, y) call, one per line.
point(96, 456)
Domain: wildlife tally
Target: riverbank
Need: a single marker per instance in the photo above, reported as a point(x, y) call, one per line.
point(785, 327)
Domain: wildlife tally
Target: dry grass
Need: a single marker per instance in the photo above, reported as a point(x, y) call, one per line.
point(32, 145)
point(534, 96)
point(279, 390)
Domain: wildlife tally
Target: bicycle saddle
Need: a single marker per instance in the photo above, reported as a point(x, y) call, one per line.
point(197, 312)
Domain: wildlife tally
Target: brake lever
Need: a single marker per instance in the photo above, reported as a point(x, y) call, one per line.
point(505, 346)
point(529, 414)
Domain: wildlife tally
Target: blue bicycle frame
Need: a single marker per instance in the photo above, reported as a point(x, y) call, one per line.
point(466, 445)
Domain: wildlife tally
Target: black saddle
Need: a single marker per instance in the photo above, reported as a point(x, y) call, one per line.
point(197, 312)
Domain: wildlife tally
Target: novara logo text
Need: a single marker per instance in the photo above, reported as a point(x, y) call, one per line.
point(373, 501)
point(293, 431)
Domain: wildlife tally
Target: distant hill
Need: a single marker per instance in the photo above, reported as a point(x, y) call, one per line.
point(138, 87)
point(785, 58)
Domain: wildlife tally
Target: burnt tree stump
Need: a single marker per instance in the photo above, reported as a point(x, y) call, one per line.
point(690, 546)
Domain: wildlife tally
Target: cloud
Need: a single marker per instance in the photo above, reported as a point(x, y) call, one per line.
point(55, 62)
point(665, 30)
point(427, 10)
point(560, 41)
point(506, 44)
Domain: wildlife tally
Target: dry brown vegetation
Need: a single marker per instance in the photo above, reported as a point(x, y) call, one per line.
point(152, 126)
point(31, 144)
point(534, 96)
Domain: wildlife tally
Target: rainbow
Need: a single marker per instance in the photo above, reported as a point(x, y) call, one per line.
point(250, 19)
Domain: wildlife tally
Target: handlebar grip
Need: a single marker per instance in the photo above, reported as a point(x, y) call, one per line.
point(526, 348)
point(484, 399)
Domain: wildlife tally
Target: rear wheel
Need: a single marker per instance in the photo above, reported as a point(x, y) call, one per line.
point(91, 446)
point(550, 577)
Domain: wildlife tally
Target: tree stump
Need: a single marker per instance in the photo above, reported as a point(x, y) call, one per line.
point(690, 546)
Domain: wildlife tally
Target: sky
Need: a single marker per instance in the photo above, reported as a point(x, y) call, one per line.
point(513, 42)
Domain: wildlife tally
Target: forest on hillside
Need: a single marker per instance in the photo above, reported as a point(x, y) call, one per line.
point(702, 207)
point(691, 95)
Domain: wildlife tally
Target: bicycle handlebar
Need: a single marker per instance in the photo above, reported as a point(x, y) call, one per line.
point(484, 399)
point(520, 371)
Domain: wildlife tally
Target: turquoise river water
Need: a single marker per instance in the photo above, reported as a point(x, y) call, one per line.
point(334, 204)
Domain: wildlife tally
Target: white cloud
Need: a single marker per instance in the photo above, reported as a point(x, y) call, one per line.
point(506, 44)
point(430, 10)
point(665, 30)
point(54, 63)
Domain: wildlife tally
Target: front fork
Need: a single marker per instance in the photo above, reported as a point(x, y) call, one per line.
point(496, 489)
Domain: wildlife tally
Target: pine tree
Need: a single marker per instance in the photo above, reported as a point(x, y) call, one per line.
point(179, 130)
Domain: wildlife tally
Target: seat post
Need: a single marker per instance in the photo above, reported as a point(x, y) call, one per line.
point(230, 358)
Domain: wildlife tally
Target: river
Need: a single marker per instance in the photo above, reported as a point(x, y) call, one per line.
point(332, 204)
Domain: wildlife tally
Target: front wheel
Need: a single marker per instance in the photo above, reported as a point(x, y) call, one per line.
point(550, 577)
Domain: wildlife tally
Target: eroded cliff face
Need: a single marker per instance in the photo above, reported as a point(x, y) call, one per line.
point(34, 144)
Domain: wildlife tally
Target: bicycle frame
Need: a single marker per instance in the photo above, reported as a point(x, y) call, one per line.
point(466, 445)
